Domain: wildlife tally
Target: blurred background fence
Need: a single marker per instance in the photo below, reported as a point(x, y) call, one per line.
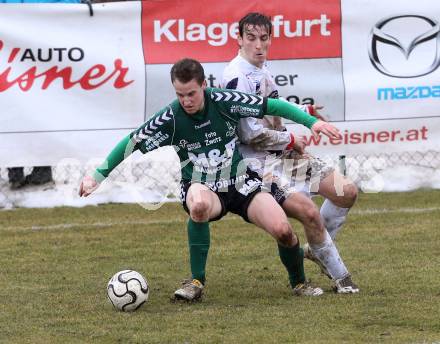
point(149, 179)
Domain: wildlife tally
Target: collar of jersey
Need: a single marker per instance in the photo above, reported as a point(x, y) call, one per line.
point(248, 67)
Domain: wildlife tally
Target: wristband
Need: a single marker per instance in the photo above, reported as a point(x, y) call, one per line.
point(291, 143)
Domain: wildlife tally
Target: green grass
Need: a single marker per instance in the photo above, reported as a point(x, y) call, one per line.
point(55, 265)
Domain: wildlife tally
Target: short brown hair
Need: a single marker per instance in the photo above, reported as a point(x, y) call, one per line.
point(186, 70)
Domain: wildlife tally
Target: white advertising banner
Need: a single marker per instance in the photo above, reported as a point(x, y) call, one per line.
point(391, 55)
point(375, 137)
point(71, 84)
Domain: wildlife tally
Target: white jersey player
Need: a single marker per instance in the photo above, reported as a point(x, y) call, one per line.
point(264, 142)
point(259, 137)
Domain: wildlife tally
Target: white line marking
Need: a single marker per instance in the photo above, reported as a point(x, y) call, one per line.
point(393, 211)
point(183, 220)
point(95, 225)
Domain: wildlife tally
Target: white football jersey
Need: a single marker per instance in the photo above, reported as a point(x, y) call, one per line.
point(257, 136)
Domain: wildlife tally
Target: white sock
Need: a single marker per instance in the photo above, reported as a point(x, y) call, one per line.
point(328, 254)
point(334, 217)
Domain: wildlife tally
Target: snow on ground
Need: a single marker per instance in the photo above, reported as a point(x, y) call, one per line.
point(156, 181)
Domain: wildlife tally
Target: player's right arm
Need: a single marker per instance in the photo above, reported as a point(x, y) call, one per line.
point(154, 133)
point(122, 150)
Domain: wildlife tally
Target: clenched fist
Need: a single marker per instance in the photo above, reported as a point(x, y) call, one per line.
point(88, 185)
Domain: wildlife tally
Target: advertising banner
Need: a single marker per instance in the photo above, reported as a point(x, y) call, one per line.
point(305, 54)
point(72, 85)
point(175, 28)
point(391, 59)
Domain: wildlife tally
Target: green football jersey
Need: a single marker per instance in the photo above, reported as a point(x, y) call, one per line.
point(206, 141)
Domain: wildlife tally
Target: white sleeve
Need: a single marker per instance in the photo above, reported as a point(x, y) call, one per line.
point(252, 132)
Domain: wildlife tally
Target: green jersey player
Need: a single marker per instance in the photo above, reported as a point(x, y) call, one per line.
point(200, 125)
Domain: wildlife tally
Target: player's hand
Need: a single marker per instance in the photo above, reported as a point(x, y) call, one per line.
point(314, 111)
point(299, 145)
point(277, 123)
point(321, 127)
point(88, 185)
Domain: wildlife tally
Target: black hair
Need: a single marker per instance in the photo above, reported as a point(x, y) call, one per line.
point(255, 19)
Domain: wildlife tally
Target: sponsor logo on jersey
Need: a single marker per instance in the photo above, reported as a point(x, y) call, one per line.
point(214, 160)
point(154, 141)
point(199, 126)
point(249, 186)
point(189, 146)
point(279, 195)
point(183, 143)
point(245, 111)
point(212, 138)
point(257, 87)
point(225, 183)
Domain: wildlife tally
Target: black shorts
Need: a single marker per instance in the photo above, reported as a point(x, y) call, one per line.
point(234, 196)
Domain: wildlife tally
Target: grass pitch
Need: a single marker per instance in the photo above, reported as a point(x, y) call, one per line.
point(55, 265)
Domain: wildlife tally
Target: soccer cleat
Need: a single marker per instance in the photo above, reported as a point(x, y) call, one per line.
point(310, 256)
point(345, 286)
point(306, 289)
point(191, 290)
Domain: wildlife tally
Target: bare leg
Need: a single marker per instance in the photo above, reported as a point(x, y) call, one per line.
point(302, 208)
point(340, 194)
point(339, 189)
point(265, 213)
point(203, 204)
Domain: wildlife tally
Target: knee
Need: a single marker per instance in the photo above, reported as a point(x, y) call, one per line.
point(313, 226)
point(350, 195)
point(311, 216)
point(284, 235)
point(199, 211)
point(347, 198)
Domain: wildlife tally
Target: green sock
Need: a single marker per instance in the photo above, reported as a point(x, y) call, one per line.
point(198, 240)
point(293, 260)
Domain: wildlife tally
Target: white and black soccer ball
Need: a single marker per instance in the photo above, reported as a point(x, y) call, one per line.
point(127, 290)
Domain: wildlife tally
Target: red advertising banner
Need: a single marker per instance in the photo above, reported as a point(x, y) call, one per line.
point(192, 28)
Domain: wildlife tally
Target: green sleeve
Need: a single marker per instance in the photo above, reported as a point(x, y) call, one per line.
point(122, 150)
point(281, 108)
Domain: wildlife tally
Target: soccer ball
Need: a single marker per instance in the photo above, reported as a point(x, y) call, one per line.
point(127, 290)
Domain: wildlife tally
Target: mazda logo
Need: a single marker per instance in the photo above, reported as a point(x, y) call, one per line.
point(378, 35)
